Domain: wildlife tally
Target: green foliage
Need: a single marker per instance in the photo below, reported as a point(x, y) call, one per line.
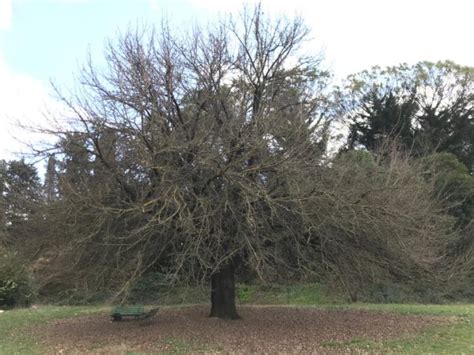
point(427, 107)
point(454, 183)
point(384, 117)
point(15, 282)
point(245, 292)
point(20, 192)
point(8, 289)
point(455, 186)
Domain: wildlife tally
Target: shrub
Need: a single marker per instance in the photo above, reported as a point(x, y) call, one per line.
point(15, 282)
point(245, 292)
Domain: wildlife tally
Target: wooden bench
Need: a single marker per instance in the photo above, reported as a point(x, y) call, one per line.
point(132, 312)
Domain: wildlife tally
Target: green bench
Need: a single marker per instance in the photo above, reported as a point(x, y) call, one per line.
point(132, 312)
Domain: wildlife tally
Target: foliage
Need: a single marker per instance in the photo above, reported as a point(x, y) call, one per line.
point(19, 185)
point(455, 188)
point(454, 184)
point(15, 281)
point(428, 107)
point(245, 292)
point(382, 118)
point(20, 198)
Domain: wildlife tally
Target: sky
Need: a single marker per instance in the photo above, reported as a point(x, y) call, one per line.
point(44, 41)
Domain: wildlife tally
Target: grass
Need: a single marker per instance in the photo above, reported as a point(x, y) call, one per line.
point(456, 338)
point(14, 340)
point(177, 346)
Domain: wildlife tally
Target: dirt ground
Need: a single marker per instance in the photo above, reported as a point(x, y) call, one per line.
point(262, 329)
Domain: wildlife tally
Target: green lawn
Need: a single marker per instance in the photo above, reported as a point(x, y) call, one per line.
point(14, 341)
point(457, 338)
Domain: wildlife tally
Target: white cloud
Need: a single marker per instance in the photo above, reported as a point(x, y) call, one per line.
point(154, 5)
point(356, 35)
point(70, 1)
point(56, 1)
point(218, 5)
point(5, 14)
point(25, 100)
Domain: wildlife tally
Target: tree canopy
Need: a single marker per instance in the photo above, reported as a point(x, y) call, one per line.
point(428, 107)
point(201, 155)
point(185, 154)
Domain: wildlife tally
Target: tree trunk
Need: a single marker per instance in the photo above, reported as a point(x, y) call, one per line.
point(223, 293)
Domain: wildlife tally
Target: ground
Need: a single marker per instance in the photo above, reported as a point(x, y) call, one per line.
point(268, 329)
point(290, 328)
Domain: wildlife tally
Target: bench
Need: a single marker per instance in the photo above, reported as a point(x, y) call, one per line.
point(132, 312)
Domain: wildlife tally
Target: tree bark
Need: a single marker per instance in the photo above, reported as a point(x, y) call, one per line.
point(223, 293)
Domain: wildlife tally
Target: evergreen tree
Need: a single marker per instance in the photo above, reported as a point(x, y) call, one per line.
point(428, 107)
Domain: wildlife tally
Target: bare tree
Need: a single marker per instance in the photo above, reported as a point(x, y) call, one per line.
point(193, 143)
point(202, 154)
point(374, 220)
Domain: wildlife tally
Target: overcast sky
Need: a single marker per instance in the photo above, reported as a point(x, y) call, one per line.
point(43, 40)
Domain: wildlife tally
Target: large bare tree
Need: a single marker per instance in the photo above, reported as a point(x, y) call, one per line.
point(200, 155)
point(183, 155)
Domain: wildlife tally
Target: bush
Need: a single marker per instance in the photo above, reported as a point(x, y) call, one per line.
point(245, 293)
point(15, 282)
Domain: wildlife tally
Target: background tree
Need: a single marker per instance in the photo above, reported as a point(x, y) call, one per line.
point(455, 188)
point(50, 179)
point(381, 118)
point(454, 184)
point(20, 199)
point(428, 107)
